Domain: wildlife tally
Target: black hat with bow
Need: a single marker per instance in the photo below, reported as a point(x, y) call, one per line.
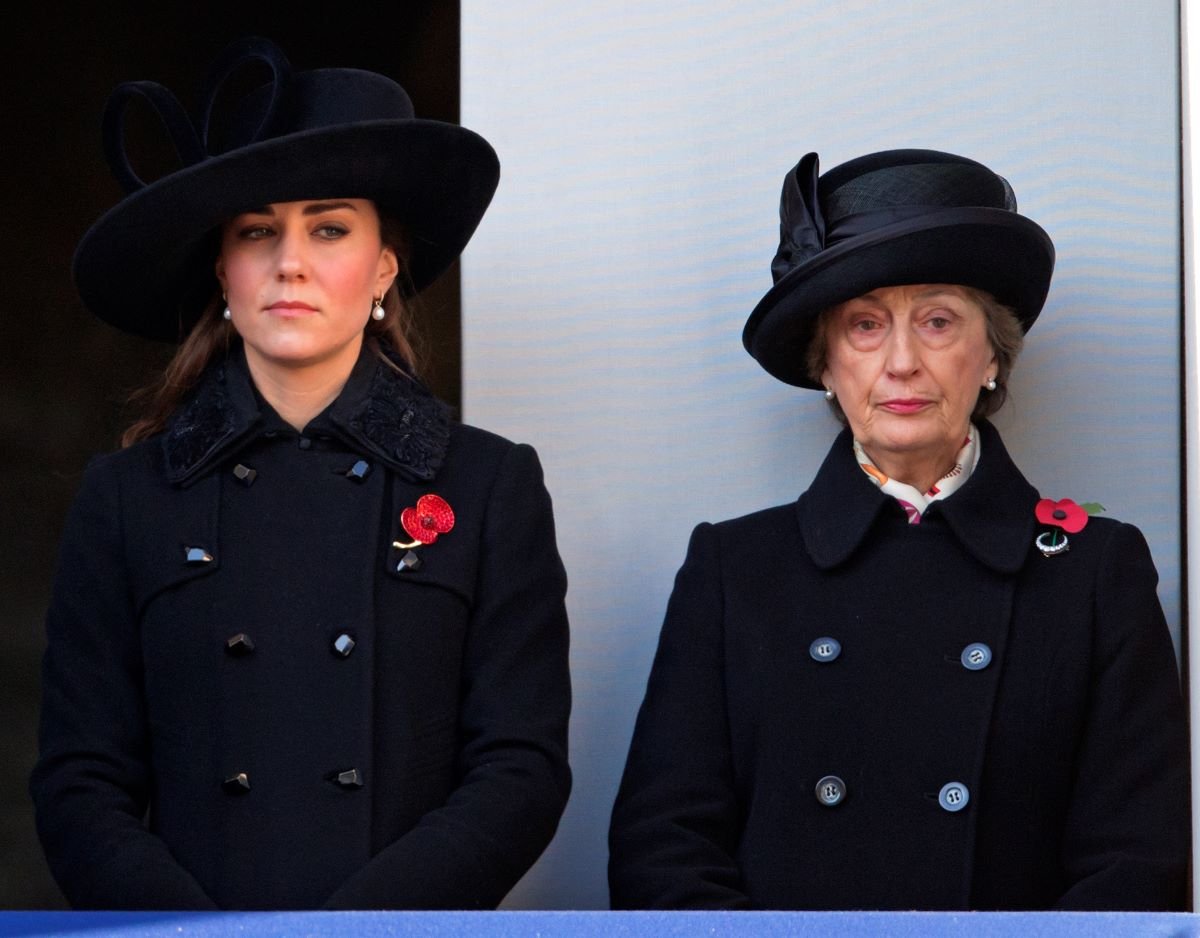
point(888, 219)
point(146, 266)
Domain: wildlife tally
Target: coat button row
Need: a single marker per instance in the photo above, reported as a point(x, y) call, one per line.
point(239, 782)
point(831, 791)
point(975, 657)
point(356, 473)
point(242, 644)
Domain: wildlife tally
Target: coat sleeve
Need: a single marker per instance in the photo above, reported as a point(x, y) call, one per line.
point(677, 818)
point(1128, 829)
point(513, 723)
point(91, 784)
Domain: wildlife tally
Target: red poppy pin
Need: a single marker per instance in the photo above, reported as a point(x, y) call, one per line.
point(431, 517)
point(1062, 515)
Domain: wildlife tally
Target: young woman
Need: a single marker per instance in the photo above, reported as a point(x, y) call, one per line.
point(307, 646)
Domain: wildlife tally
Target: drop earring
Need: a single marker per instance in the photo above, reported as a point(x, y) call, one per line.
point(991, 384)
point(377, 310)
point(829, 395)
point(227, 315)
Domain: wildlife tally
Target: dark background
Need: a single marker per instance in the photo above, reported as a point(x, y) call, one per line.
point(64, 376)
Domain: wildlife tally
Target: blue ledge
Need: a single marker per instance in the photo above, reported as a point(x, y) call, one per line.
point(587, 924)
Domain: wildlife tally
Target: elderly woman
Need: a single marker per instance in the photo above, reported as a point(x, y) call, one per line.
point(921, 685)
point(307, 646)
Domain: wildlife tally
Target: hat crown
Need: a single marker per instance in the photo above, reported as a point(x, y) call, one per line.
point(817, 212)
point(916, 177)
point(316, 100)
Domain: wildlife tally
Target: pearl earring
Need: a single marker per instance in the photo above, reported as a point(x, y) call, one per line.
point(227, 315)
point(377, 310)
point(829, 395)
point(991, 384)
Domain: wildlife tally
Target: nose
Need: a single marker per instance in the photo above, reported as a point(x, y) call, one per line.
point(291, 262)
point(903, 358)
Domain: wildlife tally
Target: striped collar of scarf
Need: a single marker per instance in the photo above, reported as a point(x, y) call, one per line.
point(913, 502)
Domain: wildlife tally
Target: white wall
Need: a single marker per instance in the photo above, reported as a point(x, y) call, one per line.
point(643, 145)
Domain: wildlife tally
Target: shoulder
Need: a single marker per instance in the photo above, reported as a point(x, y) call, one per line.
point(139, 464)
point(480, 453)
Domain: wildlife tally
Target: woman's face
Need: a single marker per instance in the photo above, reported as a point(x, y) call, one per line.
point(299, 279)
point(907, 365)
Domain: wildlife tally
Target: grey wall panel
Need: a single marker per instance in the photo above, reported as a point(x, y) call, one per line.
point(642, 149)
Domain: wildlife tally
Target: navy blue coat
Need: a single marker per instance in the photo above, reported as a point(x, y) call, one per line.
point(1064, 757)
point(253, 700)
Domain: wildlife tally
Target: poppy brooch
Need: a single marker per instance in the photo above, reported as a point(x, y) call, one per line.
point(430, 518)
point(1061, 516)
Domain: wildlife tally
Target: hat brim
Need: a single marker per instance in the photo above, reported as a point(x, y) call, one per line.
point(146, 266)
point(995, 250)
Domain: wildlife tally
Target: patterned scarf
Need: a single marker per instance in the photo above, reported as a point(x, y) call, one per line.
point(912, 501)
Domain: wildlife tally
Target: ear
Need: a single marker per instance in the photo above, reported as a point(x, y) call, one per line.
point(826, 378)
point(219, 270)
point(389, 268)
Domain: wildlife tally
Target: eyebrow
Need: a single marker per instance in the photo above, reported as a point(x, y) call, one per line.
point(313, 208)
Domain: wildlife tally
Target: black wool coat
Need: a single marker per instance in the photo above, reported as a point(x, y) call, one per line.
point(253, 700)
point(847, 711)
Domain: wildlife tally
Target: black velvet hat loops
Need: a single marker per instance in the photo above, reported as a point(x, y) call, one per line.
point(146, 266)
point(887, 219)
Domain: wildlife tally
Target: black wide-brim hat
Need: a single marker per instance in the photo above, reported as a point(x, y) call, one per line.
point(146, 266)
point(889, 219)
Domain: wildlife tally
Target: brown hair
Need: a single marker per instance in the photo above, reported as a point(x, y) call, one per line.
point(211, 337)
point(1004, 333)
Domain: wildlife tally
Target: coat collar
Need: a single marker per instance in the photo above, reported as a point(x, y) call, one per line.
point(381, 412)
point(991, 515)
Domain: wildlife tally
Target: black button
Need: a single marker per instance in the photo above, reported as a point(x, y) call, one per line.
point(239, 645)
point(349, 778)
point(410, 561)
point(305, 443)
point(245, 474)
point(196, 555)
point(359, 471)
point(343, 645)
point(237, 784)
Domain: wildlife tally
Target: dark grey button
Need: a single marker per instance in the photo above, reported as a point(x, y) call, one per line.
point(237, 784)
point(343, 645)
point(196, 555)
point(359, 471)
point(954, 796)
point(239, 645)
point(350, 778)
point(825, 649)
point(976, 656)
point(831, 791)
point(245, 474)
point(305, 443)
point(410, 561)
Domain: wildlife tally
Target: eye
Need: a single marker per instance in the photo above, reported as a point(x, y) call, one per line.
point(865, 325)
point(939, 322)
point(255, 232)
point(330, 231)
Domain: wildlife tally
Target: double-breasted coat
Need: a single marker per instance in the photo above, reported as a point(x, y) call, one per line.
point(850, 711)
point(254, 699)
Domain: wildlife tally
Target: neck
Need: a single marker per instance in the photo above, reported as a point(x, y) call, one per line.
point(299, 392)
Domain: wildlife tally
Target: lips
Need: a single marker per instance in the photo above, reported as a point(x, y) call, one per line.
point(296, 305)
point(905, 405)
